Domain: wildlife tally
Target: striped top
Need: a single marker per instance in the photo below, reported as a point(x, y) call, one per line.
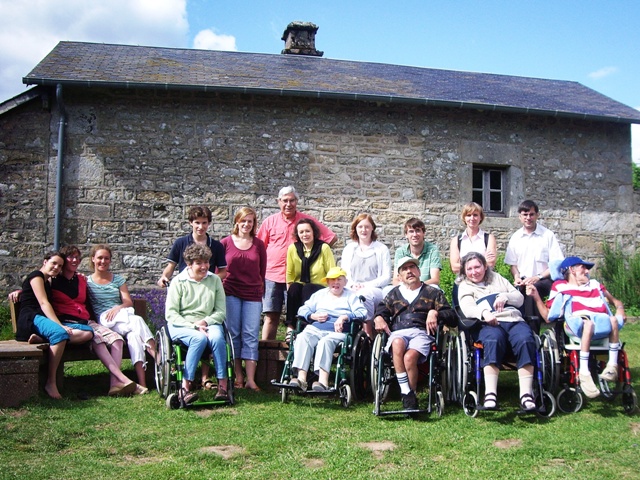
point(104, 297)
point(585, 299)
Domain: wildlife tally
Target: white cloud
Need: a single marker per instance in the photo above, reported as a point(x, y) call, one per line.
point(30, 30)
point(603, 72)
point(210, 40)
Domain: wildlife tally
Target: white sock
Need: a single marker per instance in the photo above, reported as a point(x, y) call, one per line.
point(490, 384)
point(614, 348)
point(584, 363)
point(403, 381)
point(526, 384)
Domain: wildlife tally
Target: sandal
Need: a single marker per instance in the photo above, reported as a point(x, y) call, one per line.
point(222, 395)
point(490, 401)
point(527, 403)
point(255, 388)
point(189, 397)
point(208, 385)
point(238, 384)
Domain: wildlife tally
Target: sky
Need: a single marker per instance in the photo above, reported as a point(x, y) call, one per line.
point(593, 42)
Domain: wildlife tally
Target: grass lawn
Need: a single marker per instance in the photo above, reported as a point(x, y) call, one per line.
point(261, 438)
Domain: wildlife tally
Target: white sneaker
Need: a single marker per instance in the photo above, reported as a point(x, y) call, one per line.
point(588, 386)
point(610, 373)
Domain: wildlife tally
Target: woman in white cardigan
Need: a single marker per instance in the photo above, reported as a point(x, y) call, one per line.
point(368, 265)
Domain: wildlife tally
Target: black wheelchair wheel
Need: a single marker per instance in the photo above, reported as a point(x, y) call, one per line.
point(569, 400)
point(629, 400)
point(173, 401)
point(359, 375)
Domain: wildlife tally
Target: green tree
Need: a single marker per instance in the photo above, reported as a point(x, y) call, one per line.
point(636, 176)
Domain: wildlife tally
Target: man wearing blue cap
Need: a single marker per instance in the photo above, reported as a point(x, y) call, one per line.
point(589, 317)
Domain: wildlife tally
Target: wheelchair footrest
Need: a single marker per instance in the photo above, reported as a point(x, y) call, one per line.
point(413, 411)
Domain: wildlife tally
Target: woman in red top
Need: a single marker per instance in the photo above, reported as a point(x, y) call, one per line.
point(246, 258)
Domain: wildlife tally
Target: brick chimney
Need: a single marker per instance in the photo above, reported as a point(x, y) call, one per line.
point(300, 39)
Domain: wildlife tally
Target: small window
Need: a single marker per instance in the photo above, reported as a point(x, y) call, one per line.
point(488, 188)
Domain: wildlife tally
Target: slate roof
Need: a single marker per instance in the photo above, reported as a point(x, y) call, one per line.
point(125, 66)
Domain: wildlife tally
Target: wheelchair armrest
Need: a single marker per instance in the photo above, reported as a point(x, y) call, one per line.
point(466, 323)
point(302, 323)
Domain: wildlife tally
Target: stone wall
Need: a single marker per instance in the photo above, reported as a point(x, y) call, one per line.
point(136, 160)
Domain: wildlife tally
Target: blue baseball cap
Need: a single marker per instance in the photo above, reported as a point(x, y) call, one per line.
point(572, 262)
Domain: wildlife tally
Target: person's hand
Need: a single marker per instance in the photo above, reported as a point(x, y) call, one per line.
point(380, 325)
point(163, 282)
point(339, 325)
point(432, 322)
point(532, 292)
point(15, 296)
point(357, 286)
point(112, 312)
point(499, 303)
point(202, 326)
point(69, 330)
point(319, 316)
point(489, 318)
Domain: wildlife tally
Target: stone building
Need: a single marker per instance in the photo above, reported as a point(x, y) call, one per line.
point(142, 133)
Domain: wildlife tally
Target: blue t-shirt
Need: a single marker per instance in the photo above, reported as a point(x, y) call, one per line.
point(217, 260)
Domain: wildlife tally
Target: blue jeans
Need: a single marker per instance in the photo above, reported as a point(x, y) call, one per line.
point(243, 322)
point(52, 331)
point(196, 343)
point(496, 340)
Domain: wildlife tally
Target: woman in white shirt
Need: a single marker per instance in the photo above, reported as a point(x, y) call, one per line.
point(368, 265)
point(473, 238)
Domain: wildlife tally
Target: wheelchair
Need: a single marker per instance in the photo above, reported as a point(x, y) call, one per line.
point(170, 365)
point(351, 375)
point(569, 397)
point(465, 371)
point(383, 376)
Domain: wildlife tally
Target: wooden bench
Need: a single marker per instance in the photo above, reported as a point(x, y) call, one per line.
point(23, 365)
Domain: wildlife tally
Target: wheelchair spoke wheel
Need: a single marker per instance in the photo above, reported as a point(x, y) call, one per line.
point(550, 359)
point(359, 375)
point(548, 407)
point(470, 404)
point(231, 374)
point(629, 400)
point(448, 371)
point(375, 357)
point(162, 366)
point(569, 400)
point(462, 367)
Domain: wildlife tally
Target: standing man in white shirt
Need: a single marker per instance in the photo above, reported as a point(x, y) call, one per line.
point(530, 250)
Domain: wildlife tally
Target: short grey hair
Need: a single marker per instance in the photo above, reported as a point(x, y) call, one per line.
point(286, 191)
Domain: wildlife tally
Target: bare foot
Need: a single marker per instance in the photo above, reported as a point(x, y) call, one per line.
point(37, 339)
point(52, 391)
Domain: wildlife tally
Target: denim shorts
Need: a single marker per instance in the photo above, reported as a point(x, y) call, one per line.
point(275, 294)
point(414, 339)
